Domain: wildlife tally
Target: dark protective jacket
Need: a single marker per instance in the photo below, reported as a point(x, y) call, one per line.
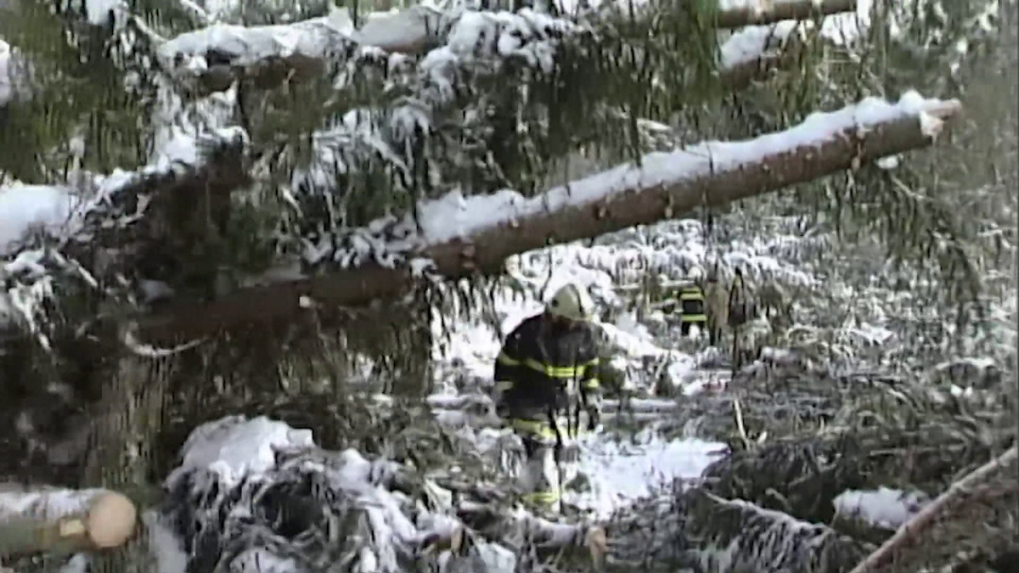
point(741, 308)
point(691, 304)
point(545, 368)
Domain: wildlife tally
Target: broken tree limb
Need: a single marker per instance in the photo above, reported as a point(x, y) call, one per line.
point(666, 186)
point(520, 529)
point(736, 535)
point(64, 521)
point(760, 13)
point(982, 490)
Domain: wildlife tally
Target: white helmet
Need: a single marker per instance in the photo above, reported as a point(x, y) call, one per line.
point(571, 302)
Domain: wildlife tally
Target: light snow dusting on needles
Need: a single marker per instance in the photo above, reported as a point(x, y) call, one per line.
point(256, 495)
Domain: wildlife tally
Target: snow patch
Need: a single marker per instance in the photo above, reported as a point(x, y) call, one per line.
point(620, 473)
point(6, 77)
point(43, 503)
point(164, 546)
point(24, 207)
point(884, 507)
point(234, 448)
point(99, 10)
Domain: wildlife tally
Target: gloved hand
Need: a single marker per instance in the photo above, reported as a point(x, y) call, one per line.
point(593, 419)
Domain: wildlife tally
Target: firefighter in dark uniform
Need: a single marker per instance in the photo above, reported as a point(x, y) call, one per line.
point(741, 310)
point(546, 377)
point(692, 311)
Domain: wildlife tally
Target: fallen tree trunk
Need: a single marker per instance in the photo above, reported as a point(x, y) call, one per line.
point(63, 521)
point(666, 186)
point(266, 57)
point(957, 519)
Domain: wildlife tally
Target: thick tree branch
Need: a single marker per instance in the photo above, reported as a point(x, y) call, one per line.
point(64, 521)
point(983, 490)
point(763, 13)
point(668, 185)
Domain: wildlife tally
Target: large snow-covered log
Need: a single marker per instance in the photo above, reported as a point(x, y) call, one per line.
point(461, 236)
point(63, 521)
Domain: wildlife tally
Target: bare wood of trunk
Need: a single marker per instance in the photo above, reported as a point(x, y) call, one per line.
point(1000, 474)
point(485, 250)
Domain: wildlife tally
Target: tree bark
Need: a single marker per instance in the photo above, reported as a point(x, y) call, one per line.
point(953, 520)
point(123, 443)
point(484, 250)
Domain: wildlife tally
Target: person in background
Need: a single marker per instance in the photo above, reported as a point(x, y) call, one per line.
point(740, 311)
point(546, 377)
point(716, 303)
point(692, 311)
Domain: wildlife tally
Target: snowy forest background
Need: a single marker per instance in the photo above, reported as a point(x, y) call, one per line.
point(216, 211)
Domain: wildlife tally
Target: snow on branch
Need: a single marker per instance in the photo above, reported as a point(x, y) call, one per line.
point(264, 491)
point(46, 230)
point(735, 535)
point(215, 56)
point(457, 236)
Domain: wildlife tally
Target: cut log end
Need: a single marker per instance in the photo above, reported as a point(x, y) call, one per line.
point(945, 109)
point(111, 521)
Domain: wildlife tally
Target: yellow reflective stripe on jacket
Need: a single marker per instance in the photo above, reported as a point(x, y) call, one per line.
point(506, 359)
point(692, 294)
point(694, 318)
point(503, 385)
point(591, 384)
point(546, 497)
point(576, 371)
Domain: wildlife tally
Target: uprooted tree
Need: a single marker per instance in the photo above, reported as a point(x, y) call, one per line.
point(280, 178)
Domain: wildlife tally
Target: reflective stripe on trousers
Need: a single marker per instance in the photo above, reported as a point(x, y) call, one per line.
point(543, 431)
point(543, 474)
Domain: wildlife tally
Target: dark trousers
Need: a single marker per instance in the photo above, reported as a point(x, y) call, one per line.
point(685, 326)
